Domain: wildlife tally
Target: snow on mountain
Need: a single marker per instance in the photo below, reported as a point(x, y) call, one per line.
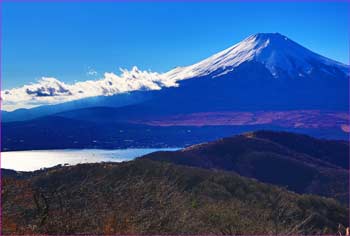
point(275, 51)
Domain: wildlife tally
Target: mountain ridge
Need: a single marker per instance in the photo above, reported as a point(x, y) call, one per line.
point(298, 162)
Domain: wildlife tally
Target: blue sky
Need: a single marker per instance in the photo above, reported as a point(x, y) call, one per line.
point(66, 40)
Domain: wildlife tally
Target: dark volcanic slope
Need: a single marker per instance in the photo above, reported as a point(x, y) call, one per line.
point(150, 197)
point(297, 162)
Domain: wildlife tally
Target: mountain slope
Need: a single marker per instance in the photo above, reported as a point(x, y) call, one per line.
point(147, 197)
point(335, 152)
point(264, 71)
point(295, 166)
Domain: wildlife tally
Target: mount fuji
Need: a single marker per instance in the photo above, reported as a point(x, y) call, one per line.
point(281, 56)
point(268, 66)
point(266, 80)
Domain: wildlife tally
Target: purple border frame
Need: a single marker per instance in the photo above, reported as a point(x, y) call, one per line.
point(252, 1)
point(1, 55)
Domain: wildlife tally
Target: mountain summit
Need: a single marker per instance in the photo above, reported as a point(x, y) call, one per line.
point(280, 55)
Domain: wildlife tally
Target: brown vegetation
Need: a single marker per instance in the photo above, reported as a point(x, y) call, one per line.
point(145, 196)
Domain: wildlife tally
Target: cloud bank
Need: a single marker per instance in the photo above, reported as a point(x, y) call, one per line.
point(50, 90)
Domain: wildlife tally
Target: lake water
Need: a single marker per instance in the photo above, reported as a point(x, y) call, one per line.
point(34, 160)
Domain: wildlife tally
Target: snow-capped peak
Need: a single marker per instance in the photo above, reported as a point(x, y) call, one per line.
point(275, 51)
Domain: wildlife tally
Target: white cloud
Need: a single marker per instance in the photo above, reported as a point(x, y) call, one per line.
point(91, 72)
point(50, 90)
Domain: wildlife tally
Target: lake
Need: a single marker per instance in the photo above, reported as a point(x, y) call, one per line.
point(37, 159)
